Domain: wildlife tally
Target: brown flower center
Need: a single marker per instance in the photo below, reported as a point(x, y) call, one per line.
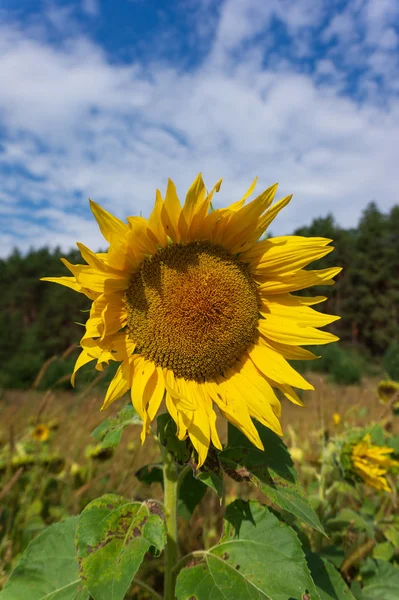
point(192, 308)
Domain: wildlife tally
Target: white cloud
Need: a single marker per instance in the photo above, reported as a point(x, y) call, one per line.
point(78, 126)
point(91, 7)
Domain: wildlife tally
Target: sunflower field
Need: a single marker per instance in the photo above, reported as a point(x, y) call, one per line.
point(207, 477)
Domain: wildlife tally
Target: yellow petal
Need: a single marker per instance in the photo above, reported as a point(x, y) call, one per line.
point(284, 330)
point(288, 307)
point(291, 282)
point(258, 404)
point(108, 223)
point(237, 205)
point(83, 358)
point(202, 223)
point(273, 365)
point(194, 198)
point(289, 352)
point(176, 388)
point(113, 316)
point(290, 300)
point(119, 385)
point(96, 280)
point(199, 432)
point(71, 282)
point(122, 254)
point(211, 415)
point(176, 416)
point(244, 221)
point(263, 223)
point(140, 391)
point(233, 409)
point(95, 261)
point(156, 392)
point(138, 238)
point(155, 222)
point(170, 212)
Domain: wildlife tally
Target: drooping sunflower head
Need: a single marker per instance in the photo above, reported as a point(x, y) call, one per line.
point(200, 313)
point(388, 391)
point(372, 463)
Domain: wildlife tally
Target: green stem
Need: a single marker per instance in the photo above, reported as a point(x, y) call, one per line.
point(183, 561)
point(170, 477)
point(148, 589)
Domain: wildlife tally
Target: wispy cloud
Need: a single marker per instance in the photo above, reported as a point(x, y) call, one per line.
point(75, 123)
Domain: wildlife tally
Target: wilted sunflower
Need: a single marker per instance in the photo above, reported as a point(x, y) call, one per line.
point(41, 432)
point(372, 463)
point(199, 312)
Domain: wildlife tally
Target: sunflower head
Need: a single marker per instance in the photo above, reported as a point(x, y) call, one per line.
point(199, 313)
point(371, 463)
point(388, 391)
point(41, 432)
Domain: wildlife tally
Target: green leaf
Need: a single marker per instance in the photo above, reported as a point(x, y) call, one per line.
point(191, 492)
point(334, 554)
point(384, 551)
point(150, 474)
point(212, 480)
point(257, 557)
point(167, 434)
point(349, 518)
point(392, 534)
point(382, 582)
point(109, 432)
point(272, 470)
point(327, 578)
point(112, 538)
point(48, 569)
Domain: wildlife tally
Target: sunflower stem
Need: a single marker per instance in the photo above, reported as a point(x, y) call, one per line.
point(171, 483)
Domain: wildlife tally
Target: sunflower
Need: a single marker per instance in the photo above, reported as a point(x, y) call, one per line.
point(199, 313)
point(41, 432)
point(371, 463)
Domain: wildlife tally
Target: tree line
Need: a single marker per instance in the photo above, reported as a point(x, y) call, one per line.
point(39, 320)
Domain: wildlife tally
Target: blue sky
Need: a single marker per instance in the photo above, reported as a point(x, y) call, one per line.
point(106, 100)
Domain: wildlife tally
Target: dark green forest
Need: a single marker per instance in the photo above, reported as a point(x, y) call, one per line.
point(39, 320)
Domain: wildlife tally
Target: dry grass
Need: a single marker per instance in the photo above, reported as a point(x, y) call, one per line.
point(78, 415)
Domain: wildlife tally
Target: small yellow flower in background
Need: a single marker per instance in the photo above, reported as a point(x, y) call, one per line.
point(297, 454)
point(387, 390)
point(41, 432)
point(336, 418)
point(200, 313)
point(74, 469)
point(372, 463)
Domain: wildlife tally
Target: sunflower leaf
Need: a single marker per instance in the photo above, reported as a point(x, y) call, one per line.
point(48, 568)
point(167, 434)
point(380, 580)
point(109, 432)
point(256, 557)
point(327, 578)
point(112, 538)
point(272, 470)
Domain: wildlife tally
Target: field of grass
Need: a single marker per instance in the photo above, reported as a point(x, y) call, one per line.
point(35, 497)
